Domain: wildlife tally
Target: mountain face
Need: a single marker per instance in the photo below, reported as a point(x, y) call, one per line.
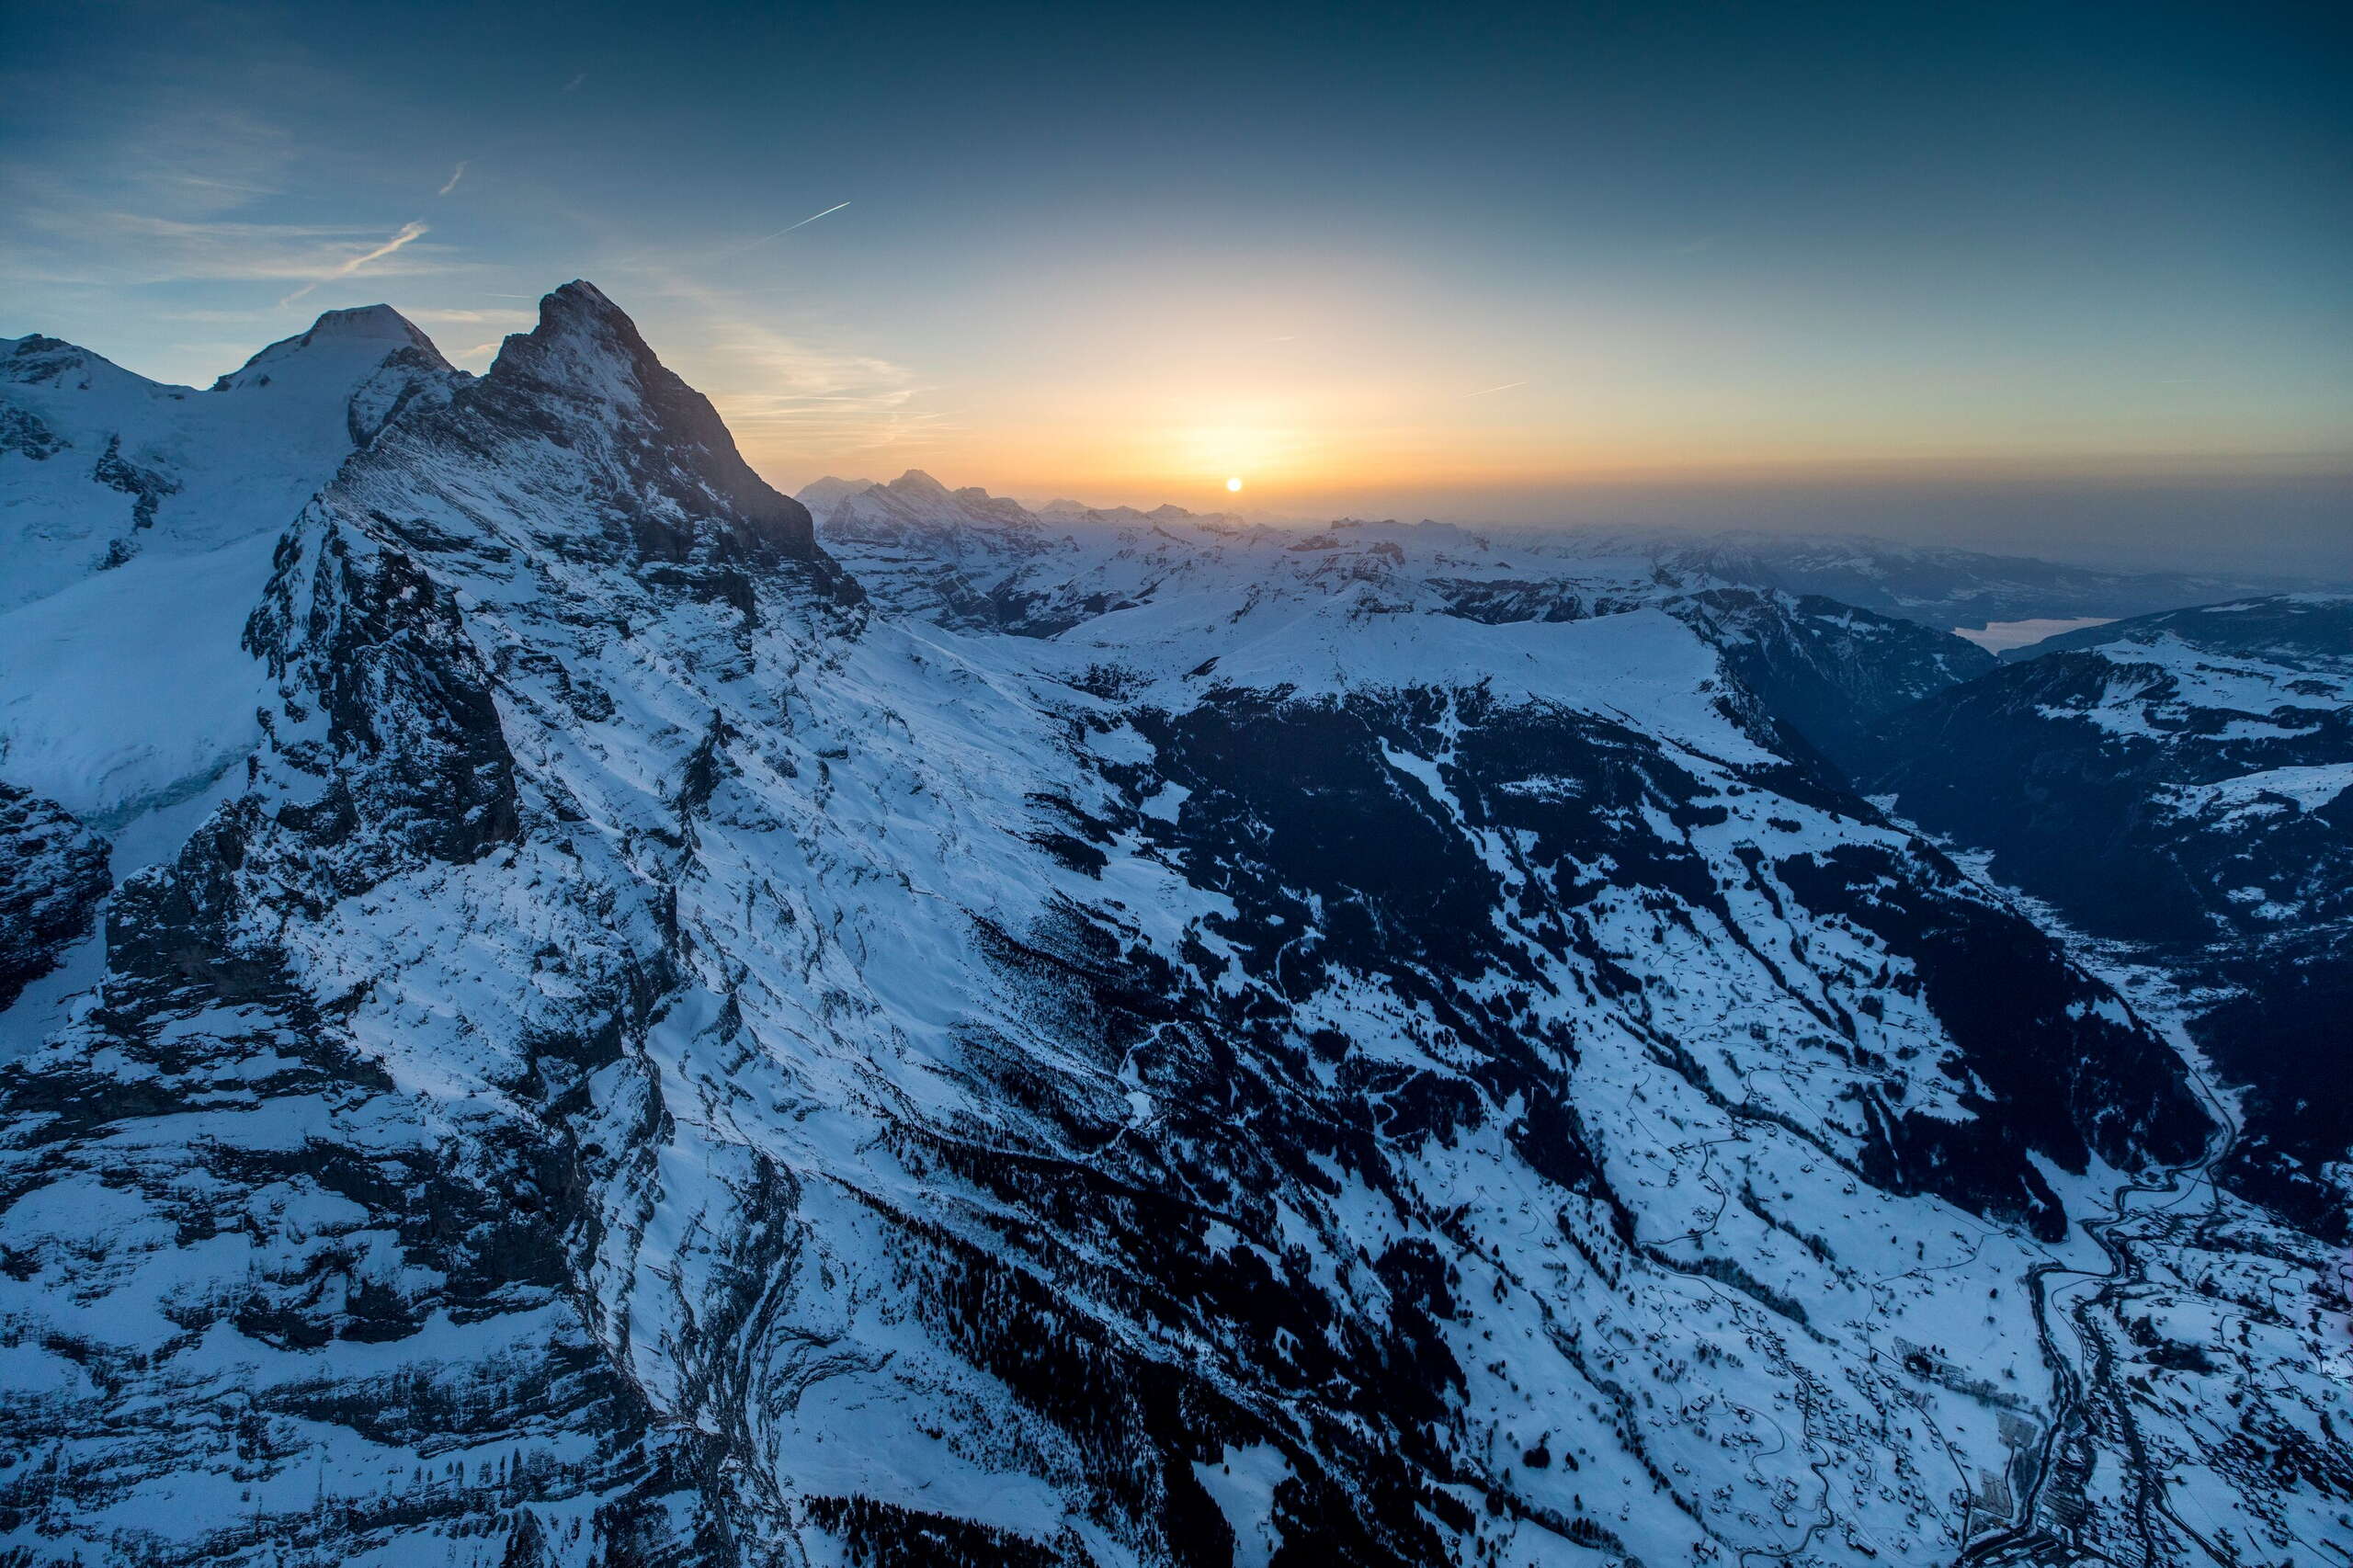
point(659, 1055)
point(1826, 669)
point(2183, 782)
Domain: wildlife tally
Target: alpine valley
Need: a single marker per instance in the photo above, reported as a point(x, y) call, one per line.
point(563, 1010)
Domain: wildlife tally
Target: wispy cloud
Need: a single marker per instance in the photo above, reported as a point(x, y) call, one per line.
point(472, 318)
point(573, 86)
point(185, 159)
point(82, 244)
point(784, 397)
point(455, 176)
point(409, 233)
point(167, 183)
point(152, 197)
point(791, 400)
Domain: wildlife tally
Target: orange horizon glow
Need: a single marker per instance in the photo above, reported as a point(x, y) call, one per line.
point(1287, 469)
point(1137, 402)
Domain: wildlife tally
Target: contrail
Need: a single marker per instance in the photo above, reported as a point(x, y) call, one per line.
point(455, 176)
point(804, 222)
point(1505, 387)
point(408, 231)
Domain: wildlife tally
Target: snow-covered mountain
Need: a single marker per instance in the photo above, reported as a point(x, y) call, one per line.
point(2184, 782)
point(917, 543)
point(103, 466)
point(1932, 585)
point(666, 1050)
point(138, 527)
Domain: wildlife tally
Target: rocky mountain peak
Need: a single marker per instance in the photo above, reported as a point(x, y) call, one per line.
point(38, 360)
point(379, 321)
point(584, 373)
point(822, 495)
point(583, 345)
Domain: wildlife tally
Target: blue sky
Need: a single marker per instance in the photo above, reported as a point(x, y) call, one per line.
point(1484, 262)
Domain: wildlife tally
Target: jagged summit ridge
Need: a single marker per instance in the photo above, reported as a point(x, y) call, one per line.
point(585, 364)
point(583, 346)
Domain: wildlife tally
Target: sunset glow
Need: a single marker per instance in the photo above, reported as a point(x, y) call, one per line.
point(1355, 299)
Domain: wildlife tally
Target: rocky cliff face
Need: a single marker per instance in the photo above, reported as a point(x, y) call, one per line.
point(52, 874)
point(655, 1057)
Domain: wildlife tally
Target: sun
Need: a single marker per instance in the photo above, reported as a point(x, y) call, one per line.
point(1233, 484)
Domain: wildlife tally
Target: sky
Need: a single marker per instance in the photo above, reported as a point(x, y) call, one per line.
point(2064, 275)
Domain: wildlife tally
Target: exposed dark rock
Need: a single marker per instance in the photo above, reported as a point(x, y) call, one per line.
point(53, 875)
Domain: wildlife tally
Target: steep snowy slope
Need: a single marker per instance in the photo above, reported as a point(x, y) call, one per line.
point(2183, 782)
point(137, 522)
point(658, 1062)
point(1824, 669)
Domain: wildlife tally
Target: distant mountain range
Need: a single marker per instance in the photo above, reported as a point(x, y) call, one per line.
point(1941, 588)
point(1936, 586)
point(559, 1006)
